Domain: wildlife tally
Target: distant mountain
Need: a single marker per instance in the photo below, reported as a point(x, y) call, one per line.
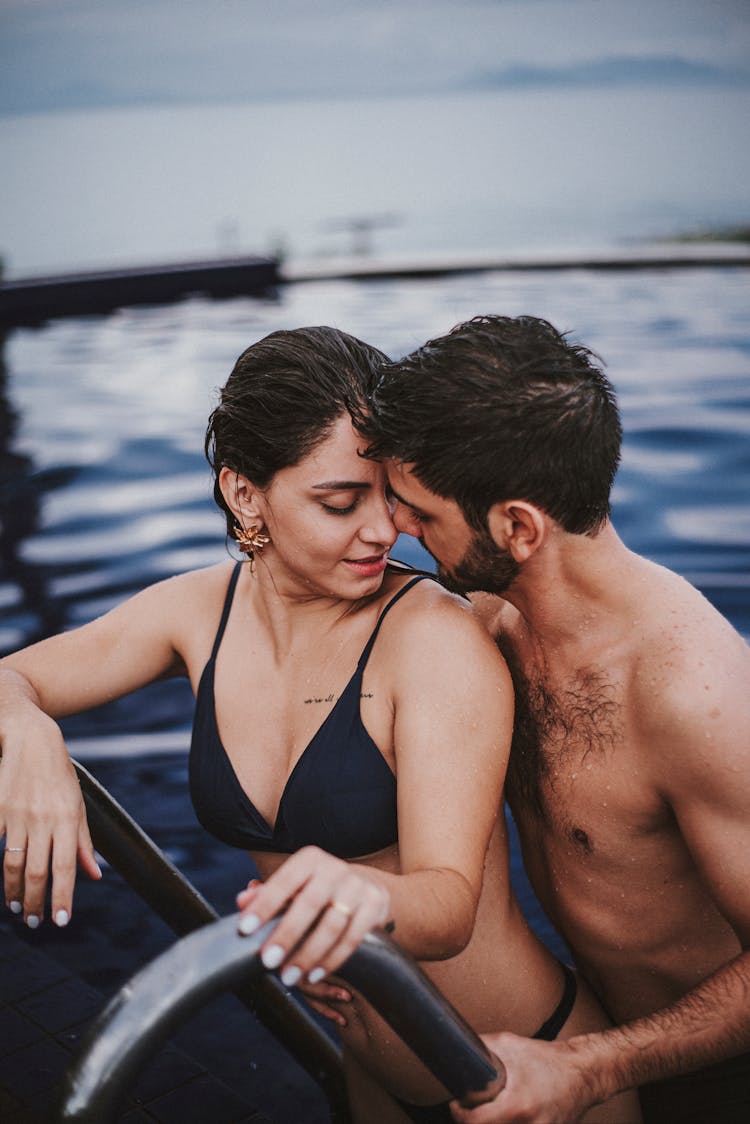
point(55, 89)
point(614, 71)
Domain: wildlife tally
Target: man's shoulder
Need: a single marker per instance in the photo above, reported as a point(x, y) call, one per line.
point(677, 628)
point(689, 663)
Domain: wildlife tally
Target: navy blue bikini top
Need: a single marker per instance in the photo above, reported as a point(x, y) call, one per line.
point(340, 796)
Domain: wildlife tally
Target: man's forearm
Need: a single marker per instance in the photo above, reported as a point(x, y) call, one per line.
point(708, 1024)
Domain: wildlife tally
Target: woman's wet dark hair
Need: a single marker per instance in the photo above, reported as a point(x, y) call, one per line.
point(281, 400)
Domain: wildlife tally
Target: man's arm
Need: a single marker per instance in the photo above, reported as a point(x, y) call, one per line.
point(561, 1080)
point(696, 713)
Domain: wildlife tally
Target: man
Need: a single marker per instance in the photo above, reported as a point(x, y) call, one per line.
point(630, 770)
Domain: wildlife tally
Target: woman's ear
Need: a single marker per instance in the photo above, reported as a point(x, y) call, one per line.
point(241, 497)
point(518, 527)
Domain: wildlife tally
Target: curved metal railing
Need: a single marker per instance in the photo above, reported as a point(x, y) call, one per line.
point(130, 851)
point(164, 993)
point(212, 956)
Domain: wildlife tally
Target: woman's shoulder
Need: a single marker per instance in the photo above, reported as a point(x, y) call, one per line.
point(424, 591)
point(431, 619)
point(184, 597)
point(209, 579)
point(434, 645)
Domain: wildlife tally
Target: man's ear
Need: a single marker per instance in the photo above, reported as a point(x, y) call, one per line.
point(241, 497)
point(517, 526)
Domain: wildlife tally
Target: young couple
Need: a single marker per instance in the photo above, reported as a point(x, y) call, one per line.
point(354, 723)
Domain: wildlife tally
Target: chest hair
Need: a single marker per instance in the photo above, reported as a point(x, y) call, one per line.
point(555, 728)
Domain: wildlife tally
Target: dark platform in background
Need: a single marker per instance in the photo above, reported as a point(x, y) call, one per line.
point(32, 300)
point(29, 301)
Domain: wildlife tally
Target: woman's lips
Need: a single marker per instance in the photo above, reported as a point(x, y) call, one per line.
point(370, 566)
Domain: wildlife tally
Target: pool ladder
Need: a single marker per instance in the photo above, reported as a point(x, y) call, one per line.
point(212, 956)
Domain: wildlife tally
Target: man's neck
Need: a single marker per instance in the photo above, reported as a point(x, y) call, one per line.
point(576, 589)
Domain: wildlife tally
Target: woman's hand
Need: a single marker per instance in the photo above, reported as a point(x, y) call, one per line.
point(43, 818)
point(329, 905)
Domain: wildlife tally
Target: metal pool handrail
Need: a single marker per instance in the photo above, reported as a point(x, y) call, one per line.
point(212, 956)
point(169, 989)
point(131, 852)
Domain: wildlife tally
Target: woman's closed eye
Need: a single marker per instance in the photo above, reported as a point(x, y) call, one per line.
point(340, 510)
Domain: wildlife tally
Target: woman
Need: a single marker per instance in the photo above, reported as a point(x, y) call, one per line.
point(351, 731)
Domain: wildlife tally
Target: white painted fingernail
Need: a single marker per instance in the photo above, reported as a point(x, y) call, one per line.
point(290, 975)
point(32, 921)
point(62, 917)
point(316, 975)
point(272, 956)
point(16, 907)
point(248, 924)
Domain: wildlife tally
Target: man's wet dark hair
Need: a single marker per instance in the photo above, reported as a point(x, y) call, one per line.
point(501, 409)
point(282, 398)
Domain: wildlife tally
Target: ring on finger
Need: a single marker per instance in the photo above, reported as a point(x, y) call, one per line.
point(15, 850)
point(342, 907)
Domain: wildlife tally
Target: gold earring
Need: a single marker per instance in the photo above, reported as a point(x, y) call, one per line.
point(251, 541)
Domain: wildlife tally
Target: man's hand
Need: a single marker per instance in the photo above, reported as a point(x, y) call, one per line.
point(545, 1083)
point(328, 998)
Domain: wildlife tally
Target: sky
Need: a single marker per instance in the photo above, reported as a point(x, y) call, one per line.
point(81, 54)
point(153, 130)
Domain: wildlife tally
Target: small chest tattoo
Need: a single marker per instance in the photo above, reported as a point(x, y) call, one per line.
point(320, 699)
point(333, 698)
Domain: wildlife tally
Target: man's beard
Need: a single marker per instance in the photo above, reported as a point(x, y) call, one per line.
point(484, 568)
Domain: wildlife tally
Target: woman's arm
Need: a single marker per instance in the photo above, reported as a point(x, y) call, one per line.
point(453, 728)
point(41, 808)
point(452, 719)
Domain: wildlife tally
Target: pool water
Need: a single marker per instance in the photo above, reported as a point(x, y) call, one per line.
point(104, 488)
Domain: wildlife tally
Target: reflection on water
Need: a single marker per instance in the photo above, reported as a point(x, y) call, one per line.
point(105, 487)
point(23, 591)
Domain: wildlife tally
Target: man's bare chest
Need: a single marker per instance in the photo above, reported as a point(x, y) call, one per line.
point(576, 765)
point(564, 723)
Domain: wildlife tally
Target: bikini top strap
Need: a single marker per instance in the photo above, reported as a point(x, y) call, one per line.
point(397, 597)
point(227, 606)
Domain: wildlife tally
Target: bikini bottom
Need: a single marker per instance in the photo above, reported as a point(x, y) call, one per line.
point(548, 1031)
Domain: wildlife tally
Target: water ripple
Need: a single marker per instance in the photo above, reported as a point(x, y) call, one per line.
point(108, 488)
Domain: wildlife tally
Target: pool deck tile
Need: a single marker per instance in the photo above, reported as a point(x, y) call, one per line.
point(45, 1012)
